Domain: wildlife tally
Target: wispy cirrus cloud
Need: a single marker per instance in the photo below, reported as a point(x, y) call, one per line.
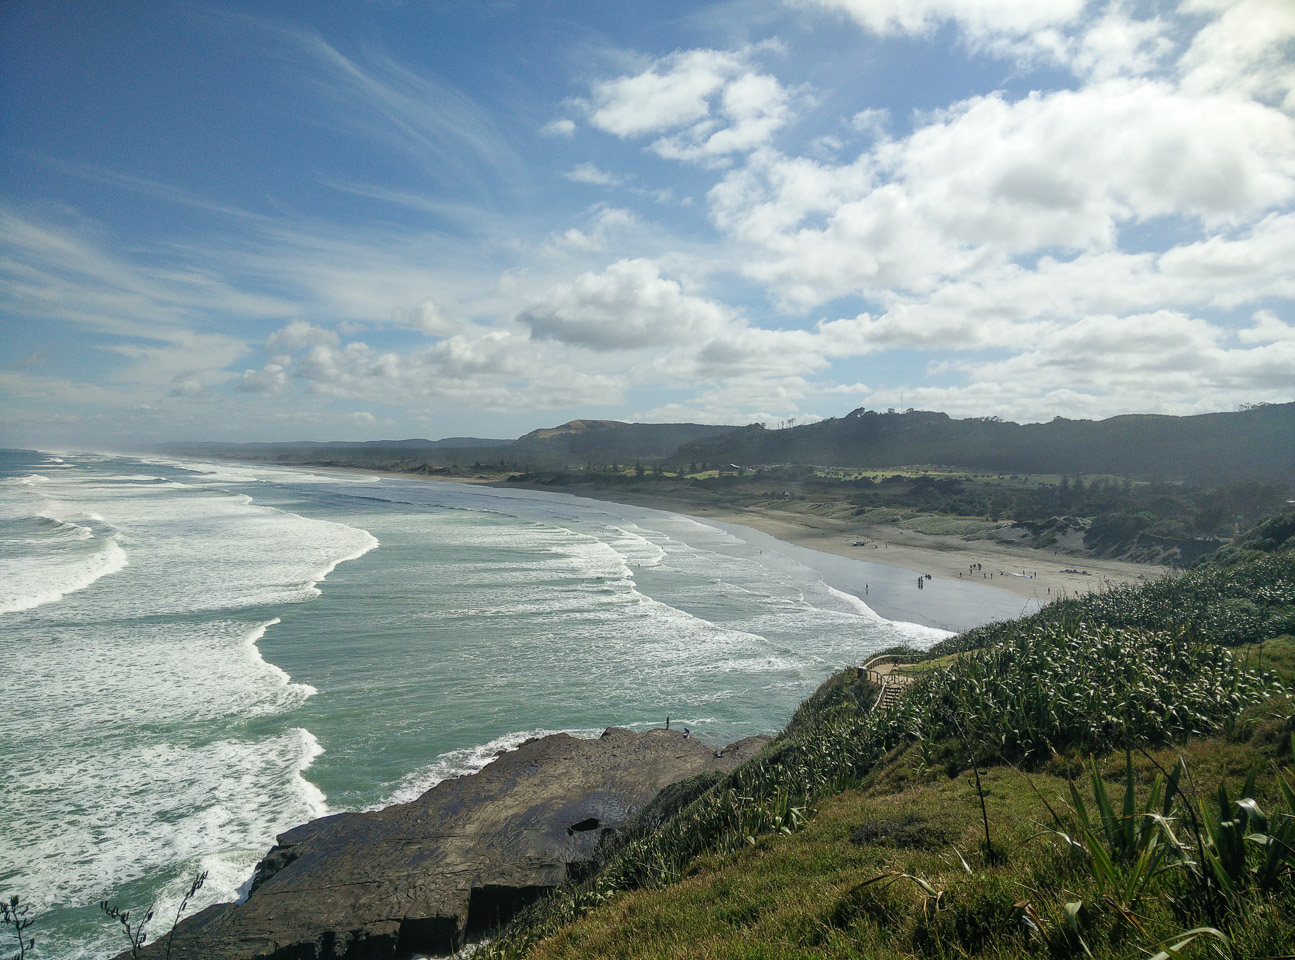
point(444, 134)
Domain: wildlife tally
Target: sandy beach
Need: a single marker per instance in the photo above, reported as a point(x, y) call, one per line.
point(1039, 575)
point(985, 569)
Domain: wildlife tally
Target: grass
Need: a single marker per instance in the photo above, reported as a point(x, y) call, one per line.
point(804, 896)
point(856, 834)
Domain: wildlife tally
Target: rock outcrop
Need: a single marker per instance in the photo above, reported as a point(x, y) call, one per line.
point(423, 876)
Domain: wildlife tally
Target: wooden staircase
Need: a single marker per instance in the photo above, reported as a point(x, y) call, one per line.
point(883, 672)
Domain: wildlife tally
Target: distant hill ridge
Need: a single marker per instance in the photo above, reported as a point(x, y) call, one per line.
point(1213, 447)
point(1255, 443)
point(570, 444)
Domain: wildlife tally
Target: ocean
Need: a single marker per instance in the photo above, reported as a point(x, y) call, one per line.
point(198, 656)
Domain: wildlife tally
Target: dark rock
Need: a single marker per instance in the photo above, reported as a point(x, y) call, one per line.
point(463, 858)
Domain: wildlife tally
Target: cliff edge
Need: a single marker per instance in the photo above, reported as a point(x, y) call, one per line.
point(424, 876)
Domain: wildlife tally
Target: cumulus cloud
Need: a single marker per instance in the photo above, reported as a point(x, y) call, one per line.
point(1267, 328)
point(589, 173)
point(1243, 50)
point(270, 379)
point(431, 320)
point(871, 122)
point(1116, 44)
point(606, 223)
point(976, 16)
point(1165, 354)
point(297, 335)
point(1093, 42)
point(188, 385)
point(627, 306)
point(498, 370)
point(711, 103)
point(558, 128)
point(741, 400)
point(991, 179)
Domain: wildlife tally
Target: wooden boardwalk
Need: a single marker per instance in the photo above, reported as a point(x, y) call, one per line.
point(882, 671)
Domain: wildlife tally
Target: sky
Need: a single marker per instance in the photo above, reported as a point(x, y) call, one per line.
point(267, 220)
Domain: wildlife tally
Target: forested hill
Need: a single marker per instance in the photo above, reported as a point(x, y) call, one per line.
point(572, 444)
point(1258, 442)
point(603, 441)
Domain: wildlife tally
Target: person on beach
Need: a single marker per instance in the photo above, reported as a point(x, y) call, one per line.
point(686, 731)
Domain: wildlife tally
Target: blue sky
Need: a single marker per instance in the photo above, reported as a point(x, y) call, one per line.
point(267, 221)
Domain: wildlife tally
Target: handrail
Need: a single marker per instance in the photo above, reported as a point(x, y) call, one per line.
point(886, 657)
point(883, 682)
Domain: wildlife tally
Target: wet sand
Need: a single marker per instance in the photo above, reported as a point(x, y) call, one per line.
point(1026, 572)
point(971, 581)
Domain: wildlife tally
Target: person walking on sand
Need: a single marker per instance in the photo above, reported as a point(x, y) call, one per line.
point(686, 731)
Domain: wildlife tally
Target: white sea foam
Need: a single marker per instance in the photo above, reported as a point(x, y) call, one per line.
point(636, 548)
point(135, 731)
point(469, 760)
point(129, 829)
point(29, 582)
point(914, 634)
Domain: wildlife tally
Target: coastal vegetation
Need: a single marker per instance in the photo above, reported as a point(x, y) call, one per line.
point(1145, 521)
point(1208, 449)
point(1151, 489)
point(1108, 778)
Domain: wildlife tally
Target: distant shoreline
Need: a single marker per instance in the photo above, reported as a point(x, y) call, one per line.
point(1025, 572)
point(1033, 576)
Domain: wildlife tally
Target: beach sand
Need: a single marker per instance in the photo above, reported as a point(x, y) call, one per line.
point(1026, 572)
point(1010, 580)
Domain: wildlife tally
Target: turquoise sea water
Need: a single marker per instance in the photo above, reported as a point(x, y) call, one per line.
point(199, 656)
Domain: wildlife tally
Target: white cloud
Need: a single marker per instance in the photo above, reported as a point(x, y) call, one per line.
point(270, 379)
point(673, 92)
point(627, 306)
point(589, 173)
point(430, 318)
point(1267, 328)
point(1244, 50)
point(979, 18)
point(991, 179)
point(741, 400)
point(1161, 361)
point(297, 335)
point(713, 100)
point(606, 223)
point(1116, 44)
point(498, 370)
point(558, 128)
point(871, 122)
point(1094, 43)
point(755, 352)
point(754, 106)
point(998, 304)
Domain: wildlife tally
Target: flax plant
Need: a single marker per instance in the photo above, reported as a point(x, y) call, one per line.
point(1129, 849)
